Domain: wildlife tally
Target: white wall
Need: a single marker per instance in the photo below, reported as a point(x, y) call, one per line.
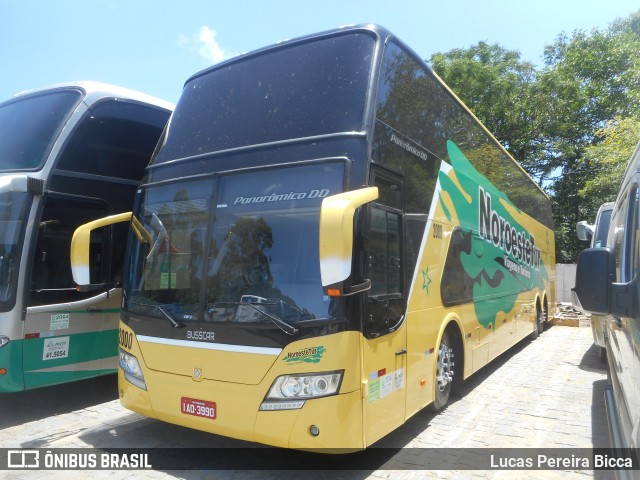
point(565, 281)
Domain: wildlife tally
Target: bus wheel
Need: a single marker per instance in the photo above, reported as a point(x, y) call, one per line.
point(445, 373)
point(541, 319)
point(539, 326)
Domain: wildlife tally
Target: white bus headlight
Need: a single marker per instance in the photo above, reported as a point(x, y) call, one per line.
point(132, 371)
point(291, 391)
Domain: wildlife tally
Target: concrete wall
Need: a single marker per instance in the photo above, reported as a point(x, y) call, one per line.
point(565, 281)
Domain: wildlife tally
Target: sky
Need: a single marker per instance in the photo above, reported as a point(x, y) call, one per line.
point(154, 46)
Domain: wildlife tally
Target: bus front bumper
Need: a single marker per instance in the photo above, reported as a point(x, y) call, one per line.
point(330, 424)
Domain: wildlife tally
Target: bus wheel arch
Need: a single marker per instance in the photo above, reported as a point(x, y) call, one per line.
point(449, 366)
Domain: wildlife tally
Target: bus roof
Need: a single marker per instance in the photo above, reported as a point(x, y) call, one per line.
point(381, 33)
point(94, 91)
point(376, 30)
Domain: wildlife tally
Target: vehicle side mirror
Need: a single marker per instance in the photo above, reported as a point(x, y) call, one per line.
point(336, 241)
point(595, 287)
point(594, 279)
point(584, 231)
point(80, 246)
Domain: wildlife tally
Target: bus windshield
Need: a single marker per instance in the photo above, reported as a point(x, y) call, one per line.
point(250, 240)
point(30, 125)
point(305, 90)
point(13, 208)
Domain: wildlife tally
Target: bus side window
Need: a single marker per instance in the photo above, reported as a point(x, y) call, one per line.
point(97, 173)
point(616, 238)
point(384, 251)
point(633, 237)
point(51, 279)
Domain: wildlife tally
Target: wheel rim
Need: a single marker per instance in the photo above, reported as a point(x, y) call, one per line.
point(444, 372)
point(542, 318)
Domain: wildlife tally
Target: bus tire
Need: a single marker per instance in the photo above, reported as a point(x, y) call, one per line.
point(541, 318)
point(445, 371)
point(603, 354)
point(539, 324)
point(544, 321)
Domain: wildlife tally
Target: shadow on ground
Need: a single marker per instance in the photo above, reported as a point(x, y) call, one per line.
point(41, 403)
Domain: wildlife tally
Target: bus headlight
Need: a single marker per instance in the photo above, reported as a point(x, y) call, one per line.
point(131, 368)
point(4, 341)
point(290, 392)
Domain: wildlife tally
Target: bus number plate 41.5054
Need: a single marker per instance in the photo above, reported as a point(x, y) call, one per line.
point(198, 408)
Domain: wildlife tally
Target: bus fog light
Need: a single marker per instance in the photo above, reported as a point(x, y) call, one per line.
point(301, 387)
point(131, 369)
point(266, 406)
point(314, 430)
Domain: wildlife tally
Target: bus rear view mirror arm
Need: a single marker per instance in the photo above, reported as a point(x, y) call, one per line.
point(353, 289)
point(624, 299)
point(92, 287)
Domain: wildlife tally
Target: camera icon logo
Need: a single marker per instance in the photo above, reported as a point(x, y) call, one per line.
point(23, 459)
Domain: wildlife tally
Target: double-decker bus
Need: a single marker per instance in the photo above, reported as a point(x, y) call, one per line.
point(68, 154)
point(325, 242)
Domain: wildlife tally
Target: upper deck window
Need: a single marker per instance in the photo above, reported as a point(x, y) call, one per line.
point(115, 139)
point(30, 125)
point(303, 90)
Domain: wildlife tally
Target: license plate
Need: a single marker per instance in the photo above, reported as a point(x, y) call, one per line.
point(198, 408)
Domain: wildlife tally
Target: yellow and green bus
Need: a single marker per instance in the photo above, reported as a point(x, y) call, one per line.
point(69, 153)
point(326, 241)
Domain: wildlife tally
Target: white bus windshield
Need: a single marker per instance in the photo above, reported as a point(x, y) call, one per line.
point(29, 126)
point(13, 208)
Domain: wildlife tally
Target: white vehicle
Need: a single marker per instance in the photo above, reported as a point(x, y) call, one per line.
point(597, 234)
point(607, 284)
point(68, 154)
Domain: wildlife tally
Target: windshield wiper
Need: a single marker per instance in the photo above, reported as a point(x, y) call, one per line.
point(281, 324)
point(162, 310)
point(241, 316)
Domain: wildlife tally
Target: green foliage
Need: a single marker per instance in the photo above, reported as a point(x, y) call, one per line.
point(608, 160)
point(501, 90)
point(553, 119)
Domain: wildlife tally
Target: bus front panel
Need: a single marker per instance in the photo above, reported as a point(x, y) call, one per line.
point(287, 406)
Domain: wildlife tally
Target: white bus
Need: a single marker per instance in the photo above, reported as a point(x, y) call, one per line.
point(68, 154)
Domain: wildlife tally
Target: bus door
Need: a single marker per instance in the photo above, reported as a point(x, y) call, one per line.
point(64, 328)
point(384, 340)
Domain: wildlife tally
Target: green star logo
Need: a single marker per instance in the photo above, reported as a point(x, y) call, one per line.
point(426, 280)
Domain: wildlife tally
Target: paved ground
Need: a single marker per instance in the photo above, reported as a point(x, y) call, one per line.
point(542, 394)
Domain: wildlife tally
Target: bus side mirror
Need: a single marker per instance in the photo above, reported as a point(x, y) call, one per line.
point(584, 231)
point(80, 245)
point(594, 278)
point(595, 287)
point(336, 241)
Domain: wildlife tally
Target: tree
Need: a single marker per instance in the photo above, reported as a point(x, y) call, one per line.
point(591, 78)
point(502, 91)
point(608, 160)
point(549, 119)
